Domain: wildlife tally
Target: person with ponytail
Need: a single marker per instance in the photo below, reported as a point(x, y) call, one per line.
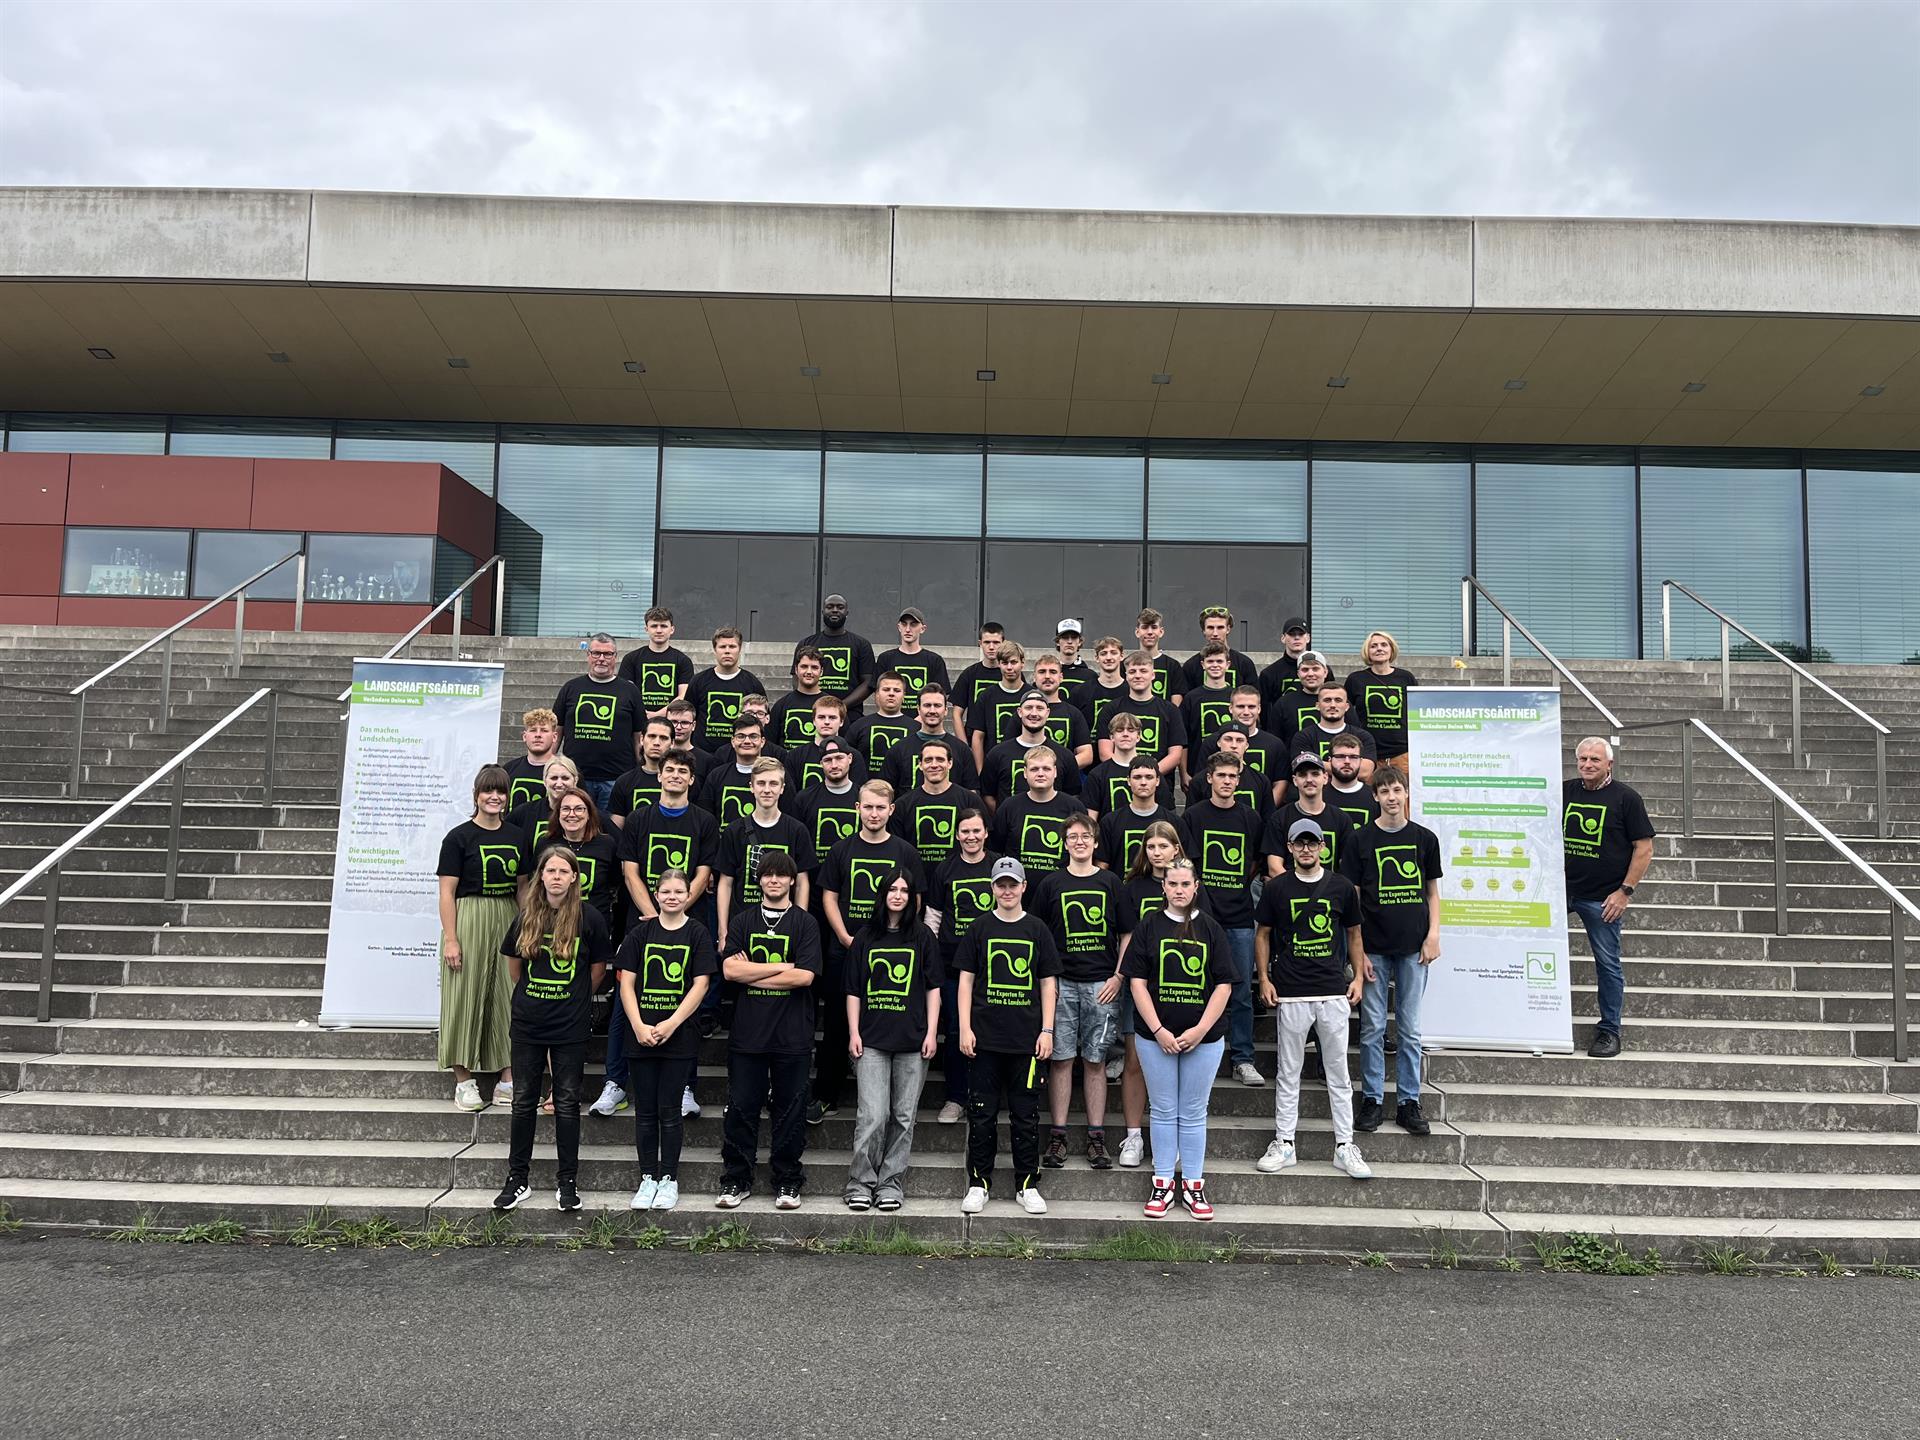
point(479, 870)
point(557, 950)
point(893, 1028)
point(1181, 973)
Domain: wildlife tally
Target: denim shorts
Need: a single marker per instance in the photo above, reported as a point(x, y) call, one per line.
point(1082, 1026)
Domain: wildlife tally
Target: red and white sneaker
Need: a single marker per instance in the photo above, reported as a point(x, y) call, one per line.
point(1161, 1200)
point(1193, 1195)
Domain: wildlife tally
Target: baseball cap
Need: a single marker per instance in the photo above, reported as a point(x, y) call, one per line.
point(1313, 657)
point(1069, 626)
point(1304, 829)
point(1033, 695)
point(1307, 760)
point(1237, 727)
point(835, 746)
point(1007, 868)
point(1292, 623)
point(912, 612)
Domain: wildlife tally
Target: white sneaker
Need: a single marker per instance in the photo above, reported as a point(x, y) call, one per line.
point(1133, 1150)
point(952, 1113)
point(466, 1096)
point(1348, 1158)
point(1031, 1201)
point(1248, 1075)
point(643, 1198)
point(612, 1098)
point(1279, 1157)
point(667, 1196)
point(689, 1107)
point(975, 1200)
point(503, 1093)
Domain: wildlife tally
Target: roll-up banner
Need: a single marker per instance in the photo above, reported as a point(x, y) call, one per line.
point(1486, 779)
point(417, 733)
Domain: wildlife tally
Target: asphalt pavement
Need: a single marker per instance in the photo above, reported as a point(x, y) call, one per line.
point(100, 1339)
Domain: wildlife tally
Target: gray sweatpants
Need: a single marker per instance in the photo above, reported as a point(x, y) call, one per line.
point(1294, 1019)
point(889, 1089)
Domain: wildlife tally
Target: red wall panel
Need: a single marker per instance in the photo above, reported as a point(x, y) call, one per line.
point(174, 491)
point(367, 497)
point(466, 516)
point(30, 559)
point(29, 610)
point(33, 488)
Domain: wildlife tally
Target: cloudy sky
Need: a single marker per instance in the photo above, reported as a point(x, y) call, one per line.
point(1742, 108)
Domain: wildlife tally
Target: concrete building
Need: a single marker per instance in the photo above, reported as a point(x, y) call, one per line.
point(1009, 414)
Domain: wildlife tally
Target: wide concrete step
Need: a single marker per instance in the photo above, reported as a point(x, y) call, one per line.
point(1792, 1073)
point(1704, 1150)
point(164, 1003)
point(266, 1039)
point(142, 939)
point(1469, 1104)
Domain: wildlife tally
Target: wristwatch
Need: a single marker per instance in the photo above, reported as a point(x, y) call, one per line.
point(1627, 890)
point(1046, 1030)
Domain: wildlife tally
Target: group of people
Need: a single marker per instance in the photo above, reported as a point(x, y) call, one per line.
point(1038, 870)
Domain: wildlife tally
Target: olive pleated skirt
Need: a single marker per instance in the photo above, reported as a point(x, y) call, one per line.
point(476, 1001)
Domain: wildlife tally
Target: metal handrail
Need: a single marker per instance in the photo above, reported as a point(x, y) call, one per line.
point(1796, 671)
point(499, 612)
point(176, 767)
point(1468, 587)
point(1898, 905)
point(237, 594)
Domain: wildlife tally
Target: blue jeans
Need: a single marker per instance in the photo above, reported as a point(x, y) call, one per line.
point(1603, 937)
point(601, 791)
point(1177, 1091)
point(1240, 998)
point(1409, 980)
point(617, 1033)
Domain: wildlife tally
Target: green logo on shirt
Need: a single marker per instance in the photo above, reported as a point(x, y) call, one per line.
point(1398, 870)
point(1083, 919)
point(1041, 841)
point(834, 823)
point(933, 827)
point(889, 977)
point(663, 975)
point(881, 738)
point(1009, 971)
point(1585, 824)
point(750, 878)
point(1119, 793)
point(593, 716)
point(797, 729)
point(549, 976)
point(1214, 714)
point(1223, 859)
point(499, 865)
point(735, 800)
point(972, 898)
point(864, 874)
point(1313, 939)
point(664, 853)
point(1059, 730)
point(1384, 706)
point(836, 662)
point(658, 681)
point(525, 791)
point(1183, 971)
point(1149, 734)
point(589, 873)
point(723, 709)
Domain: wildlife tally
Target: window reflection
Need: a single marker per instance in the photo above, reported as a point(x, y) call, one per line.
point(223, 558)
point(126, 562)
point(370, 569)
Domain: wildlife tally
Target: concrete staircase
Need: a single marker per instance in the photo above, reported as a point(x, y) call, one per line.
point(183, 1073)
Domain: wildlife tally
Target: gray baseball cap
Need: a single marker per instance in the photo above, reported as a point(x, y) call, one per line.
point(1008, 868)
point(1304, 829)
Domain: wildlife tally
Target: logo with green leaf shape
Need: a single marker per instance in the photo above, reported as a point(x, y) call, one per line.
point(1009, 970)
point(1397, 870)
point(1585, 825)
point(889, 976)
point(593, 716)
point(663, 975)
point(1084, 919)
point(1183, 971)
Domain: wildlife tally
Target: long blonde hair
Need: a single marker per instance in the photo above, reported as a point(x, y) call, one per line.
point(540, 919)
point(1158, 830)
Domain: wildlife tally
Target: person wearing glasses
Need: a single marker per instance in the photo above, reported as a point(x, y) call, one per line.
point(600, 716)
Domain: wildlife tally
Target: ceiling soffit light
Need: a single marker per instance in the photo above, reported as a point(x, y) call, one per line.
point(459, 362)
point(1161, 378)
point(988, 375)
point(279, 357)
point(1694, 387)
point(1873, 390)
point(634, 367)
point(812, 372)
point(1516, 384)
point(100, 352)
point(1336, 382)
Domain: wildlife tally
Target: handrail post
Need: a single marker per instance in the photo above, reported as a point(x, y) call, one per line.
point(239, 628)
point(300, 592)
point(456, 630)
point(269, 761)
point(79, 732)
point(1466, 619)
point(49, 924)
point(1506, 651)
point(1801, 760)
point(1779, 867)
point(1900, 1046)
point(166, 685)
point(1726, 667)
point(175, 805)
point(1686, 781)
point(1882, 820)
point(1666, 620)
point(500, 600)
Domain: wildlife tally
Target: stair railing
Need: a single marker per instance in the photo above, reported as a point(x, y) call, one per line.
point(1469, 587)
point(495, 563)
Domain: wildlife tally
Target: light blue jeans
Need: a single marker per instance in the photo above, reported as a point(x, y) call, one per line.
point(1177, 1091)
point(1409, 980)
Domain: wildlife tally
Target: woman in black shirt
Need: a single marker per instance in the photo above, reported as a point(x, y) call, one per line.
point(479, 869)
point(1378, 698)
point(893, 1027)
point(577, 826)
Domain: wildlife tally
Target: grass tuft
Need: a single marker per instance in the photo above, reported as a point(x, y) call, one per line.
point(730, 1235)
point(315, 1230)
point(1585, 1254)
point(441, 1233)
point(652, 1238)
point(144, 1230)
point(1827, 1264)
point(497, 1230)
point(1726, 1259)
point(1156, 1246)
point(1007, 1247)
point(1509, 1263)
point(1444, 1248)
point(1887, 1270)
point(213, 1232)
point(9, 1222)
point(606, 1230)
point(1375, 1260)
point(894, 1241)
point(376, 1232)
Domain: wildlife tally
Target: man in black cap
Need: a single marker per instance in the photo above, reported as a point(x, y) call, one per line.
point(915, 665)
point(846, 659)
point(1309, 803)
point(1295, 639)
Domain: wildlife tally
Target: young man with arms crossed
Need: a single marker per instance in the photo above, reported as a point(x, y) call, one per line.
point(656, 669)
point(540, 735)
point(716, 692)
point(916, 666)
point(1081, 907)
point(1223, 838)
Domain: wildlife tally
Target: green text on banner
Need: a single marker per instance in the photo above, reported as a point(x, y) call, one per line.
point(418, 731)
point(1486, 780)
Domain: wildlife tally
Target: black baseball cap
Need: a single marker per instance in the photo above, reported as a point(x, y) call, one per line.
point(912, 612)
point(1034, 695)
point(835, 746)
point(1293, 623)
point(1307, 760)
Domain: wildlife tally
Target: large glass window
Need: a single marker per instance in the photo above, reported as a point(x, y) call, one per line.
point(254, 439)
point(903, 490)
point(1555, 541)
point(88, 434)
point(1242, 496)
point(1863, 537)
point(467, 450)
point(370, 569)
point(1389, 548)
point(1037, 492)
point(1731, 534)
point(112, 561)
point(576, 529)
point(223, 558)
point(728, 487)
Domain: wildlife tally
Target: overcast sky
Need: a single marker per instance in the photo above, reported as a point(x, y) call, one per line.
point(1741, 108)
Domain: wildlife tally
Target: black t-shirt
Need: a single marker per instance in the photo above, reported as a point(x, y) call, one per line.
point(665, 963)
point(1252, 790)
point(597, 722)
point(891, 975)
point(1122, 832)
point(875, 736)
point(1034, 832)
point(846, 661)
point(1360, 807)
point(1380, 706)
point(1067, 728)
point(775, 1022)
point(922, 668)
point(855, 869)
point(1266, 757)
point(1007, 959)
point(657, 842)
point(635, 790)
point(553, 1001)
point(790, 720)
point(727, 794)
point(1161, 727)
point(1224, 843)
point(599, 865)
point(746, 842)
point(1316, 741)
point(1240, 670)
point(1600, 827)
point(1105, 789)
point(931, 823)
point(829, 816)
point(1334, 824)
point(716, 703)
point(1097, 702)
point(1004, 774)
point(1206, 712)
point(804, 769)
point(996, 715)
point(1169, 679)
point(1392, 869)
point(484, 862)
point(1278, 678)
point(724, 755)
point(1308, 954)
point(1145, 895)
point(1074, 680)
point(528, 781)
point(962, 891)
point(1083, 912)
point(658, 676)
point(1182, 963)
point(1287, 714)
point(902, 770)
point(974, 681)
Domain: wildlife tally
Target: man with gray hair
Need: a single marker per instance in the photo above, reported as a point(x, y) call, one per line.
point(1609, 844)
point(599, 713)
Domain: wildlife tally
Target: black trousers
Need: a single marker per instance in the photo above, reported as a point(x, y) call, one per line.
point(832, 1064)
point(992, 1075)
point(654, 1084)
point(569, 1064)
point(779, 1082)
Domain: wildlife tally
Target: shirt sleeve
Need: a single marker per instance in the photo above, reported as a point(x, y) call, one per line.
point(628, 956)
point(511, 938)
point(596, 940)
point(1639, 824)
point(452, 862)
point(1046, 954)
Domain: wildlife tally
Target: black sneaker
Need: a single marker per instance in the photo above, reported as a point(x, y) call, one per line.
point(1367, 1114)
point(1097, 1155)
point(566, 1196)
point(1605, 1045)
point(709, 1024)
point(511, 1194)
point(818, 1111)
point(1408, 1117)
point(1056, 1152)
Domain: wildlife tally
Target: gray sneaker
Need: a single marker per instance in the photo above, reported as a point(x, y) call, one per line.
point(888, 1197)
